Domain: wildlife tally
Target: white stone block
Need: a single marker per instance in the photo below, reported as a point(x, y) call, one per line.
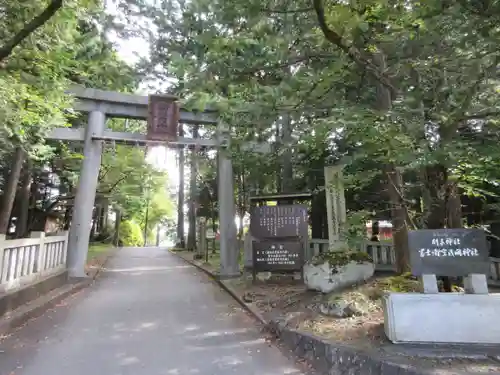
point(430, 284)
point(476, 284)
point(442, 318)
point(322, 278)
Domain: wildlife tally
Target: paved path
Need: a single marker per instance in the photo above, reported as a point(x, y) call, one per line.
point(148, 314)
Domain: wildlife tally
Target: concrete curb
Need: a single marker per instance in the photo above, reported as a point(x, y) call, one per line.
point(37, 307)
point(326, 357)
point(332, 358)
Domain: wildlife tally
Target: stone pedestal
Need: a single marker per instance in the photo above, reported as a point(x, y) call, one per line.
point(322, 278)
point(442, 318)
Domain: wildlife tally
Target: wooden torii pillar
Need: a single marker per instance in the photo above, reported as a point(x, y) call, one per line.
point(101, 105)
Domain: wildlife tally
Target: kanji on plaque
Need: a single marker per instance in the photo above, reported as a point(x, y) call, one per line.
point(163, 118)
point(448, 252)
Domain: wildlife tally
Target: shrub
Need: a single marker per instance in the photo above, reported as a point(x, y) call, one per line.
point(338, 259)
point(130, 234)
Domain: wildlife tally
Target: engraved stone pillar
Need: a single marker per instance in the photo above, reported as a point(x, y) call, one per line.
point(202, 238)
point(335, 204)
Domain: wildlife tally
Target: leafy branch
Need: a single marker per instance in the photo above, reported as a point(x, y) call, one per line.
point(29, 28)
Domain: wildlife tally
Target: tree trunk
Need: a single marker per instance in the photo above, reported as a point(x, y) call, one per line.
point(241, 201)
point(180, 203)
point(24, 201)
point(116, 239)
point(436, 181)
point(98, 220)
point(395, 182)
point(68, 213)
point(398, 215)
point(438, 210)
point(158, 235)
point(287, 171)
point(454, 207)
point(98, 226)
point(375, 231)
point(191, 241)
point(10, 190)
point(34, 194)
point(278, 167)
point(214, 227)
point(104, 216)
point(453, 220)
point(495, 240)
point(95, 218)
point(317, 208)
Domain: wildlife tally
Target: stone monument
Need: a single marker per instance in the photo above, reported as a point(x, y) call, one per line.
point(278, 238)
point(335, 205)
point(434, 317)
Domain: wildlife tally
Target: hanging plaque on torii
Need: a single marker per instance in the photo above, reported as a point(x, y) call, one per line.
point(163, 118)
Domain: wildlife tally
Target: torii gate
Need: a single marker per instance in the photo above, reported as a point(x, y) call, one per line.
point(100, 105)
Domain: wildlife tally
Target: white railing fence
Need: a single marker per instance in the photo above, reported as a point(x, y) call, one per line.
point(384, 256)
point(25, 260)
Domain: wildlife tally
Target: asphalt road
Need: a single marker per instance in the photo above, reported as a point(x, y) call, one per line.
point(149, 313)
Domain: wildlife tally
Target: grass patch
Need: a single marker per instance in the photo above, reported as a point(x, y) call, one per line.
point(97, 248)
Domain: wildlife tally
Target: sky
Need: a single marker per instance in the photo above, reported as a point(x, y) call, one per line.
point(130, 50)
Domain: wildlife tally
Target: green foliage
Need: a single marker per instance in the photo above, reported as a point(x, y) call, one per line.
point(338, 259)
point(130, 233)
point(308, 81)
point(254, 61)
point(405, 283)
point(354, 230)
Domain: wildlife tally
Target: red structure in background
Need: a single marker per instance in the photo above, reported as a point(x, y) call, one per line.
point(385, 230)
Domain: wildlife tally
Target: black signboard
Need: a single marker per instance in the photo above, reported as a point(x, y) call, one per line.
point(277, 256)
point(448, 252)
point(279, 221)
